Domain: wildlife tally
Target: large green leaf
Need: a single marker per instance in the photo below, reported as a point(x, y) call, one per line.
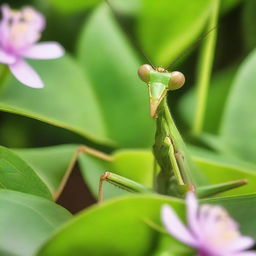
point(166, 28)
point(135, 164)
point(111, 65)
point(217, 170)
point(15, 174)
point(26, 222)
point(119, 225)
point(238, 130)
point(122, 226)
point(50, 163)
point(66, 101)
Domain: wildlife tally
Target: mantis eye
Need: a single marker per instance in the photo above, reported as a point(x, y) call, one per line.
point(144, 72)
point(177, 80)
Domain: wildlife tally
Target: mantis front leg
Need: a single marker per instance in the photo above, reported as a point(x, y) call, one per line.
point(122, 183)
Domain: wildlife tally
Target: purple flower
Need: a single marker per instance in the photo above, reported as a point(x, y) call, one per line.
point(19, 33)
point(210, 230)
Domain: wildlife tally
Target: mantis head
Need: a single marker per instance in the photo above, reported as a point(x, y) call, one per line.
point(159, 81)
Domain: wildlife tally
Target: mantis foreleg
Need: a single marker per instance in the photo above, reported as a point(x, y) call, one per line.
point(121, 182)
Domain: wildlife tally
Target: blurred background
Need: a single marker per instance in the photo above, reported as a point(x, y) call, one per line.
point(236, 38)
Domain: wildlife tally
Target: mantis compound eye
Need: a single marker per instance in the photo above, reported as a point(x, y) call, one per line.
point(177, 80)
point(144, 72)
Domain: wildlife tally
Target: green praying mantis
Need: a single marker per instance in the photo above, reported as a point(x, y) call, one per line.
point(175, 173)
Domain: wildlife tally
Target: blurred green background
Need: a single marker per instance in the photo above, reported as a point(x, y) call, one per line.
point(65, 21)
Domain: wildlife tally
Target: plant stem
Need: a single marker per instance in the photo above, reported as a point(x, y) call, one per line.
point(204, 70)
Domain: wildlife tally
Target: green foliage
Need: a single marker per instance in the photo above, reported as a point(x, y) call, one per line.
point(238, 128)
point(15, 174)
point(27, 221)
point(63, 102)
point(124, 7)
point(112, 69)
point(161, 38)
point(53, 169)
point(128, 218)
point(219, 169)
point(125, 217)
point(217, 95)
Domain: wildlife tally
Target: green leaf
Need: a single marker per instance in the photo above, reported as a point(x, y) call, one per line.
point(112, 69)
point(165, 29)
point(238, 130)
point(50, 163)
point(73, 6)
point(135, 164)
point(66, 101)
point(27, 221)
point(15, 174)
point(119, 225)
point(124, 7)
point(132, 164)
point(128, 219)
point(219, 169)
point(218, 93)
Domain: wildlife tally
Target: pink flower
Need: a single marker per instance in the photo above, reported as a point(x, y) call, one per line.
point(19, 32)
point(210, 230)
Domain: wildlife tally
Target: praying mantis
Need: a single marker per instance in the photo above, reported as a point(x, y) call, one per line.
point(174, 171)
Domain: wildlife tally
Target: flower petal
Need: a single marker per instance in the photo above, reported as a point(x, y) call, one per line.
point(5, 9)
point(248, 253)
point(6, 58)
point(47, 50)
point(239, 244)
point(33, 17)
point(192, 213)
point(175, 227)
point(26, 75)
